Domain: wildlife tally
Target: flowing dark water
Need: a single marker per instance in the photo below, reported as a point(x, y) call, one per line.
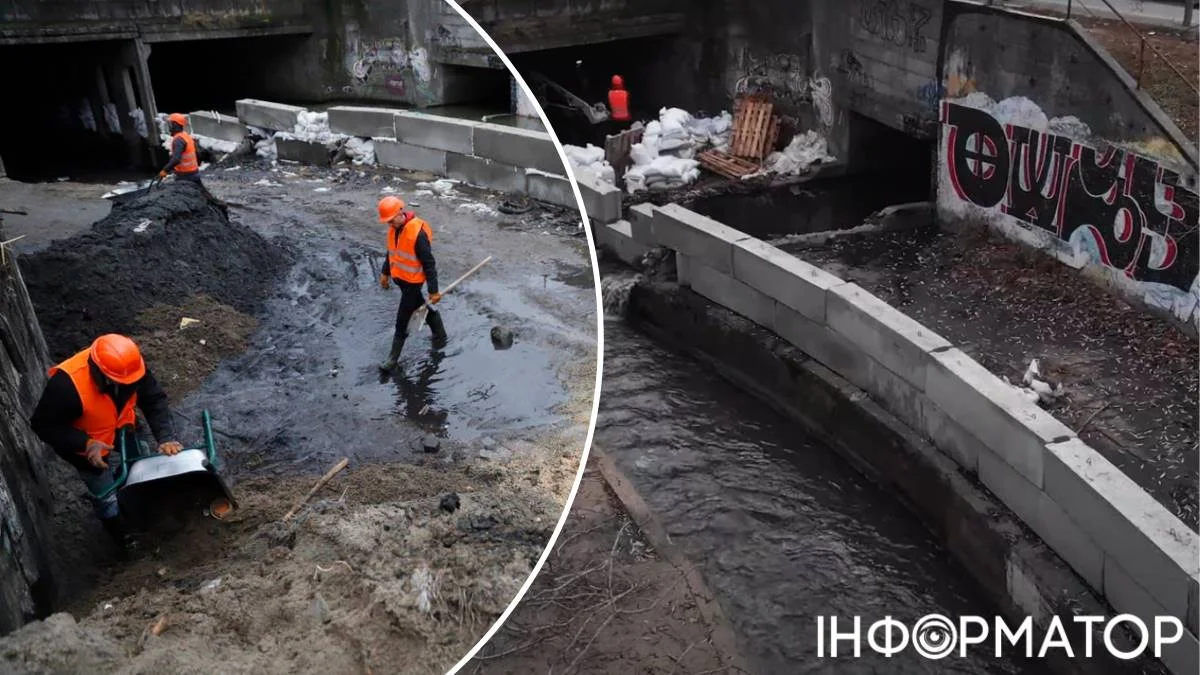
point(782, 528)
point(817, 206)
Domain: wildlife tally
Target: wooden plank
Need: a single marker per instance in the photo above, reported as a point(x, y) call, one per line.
point(750, 130)
point(617, 150)
point(726, 165)
point(772, 136)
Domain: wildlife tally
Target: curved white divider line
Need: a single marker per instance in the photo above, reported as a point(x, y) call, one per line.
point(587, 444)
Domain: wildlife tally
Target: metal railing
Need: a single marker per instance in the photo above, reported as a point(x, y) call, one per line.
point(1141, 65)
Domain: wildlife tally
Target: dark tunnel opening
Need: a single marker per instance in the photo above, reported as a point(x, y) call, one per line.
point(71, 117)
point(586, 72)
point(214, 74)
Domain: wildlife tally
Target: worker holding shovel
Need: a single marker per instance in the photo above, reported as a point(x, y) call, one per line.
point(410, 264)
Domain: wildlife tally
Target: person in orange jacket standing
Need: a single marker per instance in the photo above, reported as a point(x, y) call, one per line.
point(618, 101)
point(88, 403)
point(410, 264)
point(184, 162)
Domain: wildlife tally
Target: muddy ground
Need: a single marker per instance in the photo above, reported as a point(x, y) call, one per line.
point(607, 601)
point(284, 358)
point(1129, 378)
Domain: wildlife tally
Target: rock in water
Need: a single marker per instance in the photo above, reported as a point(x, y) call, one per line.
point(431, 443)
point(449, 503)
point(502, 338)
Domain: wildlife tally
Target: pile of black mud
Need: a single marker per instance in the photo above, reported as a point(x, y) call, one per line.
point(159, 247)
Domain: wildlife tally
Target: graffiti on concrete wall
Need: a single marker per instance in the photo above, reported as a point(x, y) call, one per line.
point(388, 63)
point(851, 67)
point(900, 22)
point(786, 80)
point(1114, 206)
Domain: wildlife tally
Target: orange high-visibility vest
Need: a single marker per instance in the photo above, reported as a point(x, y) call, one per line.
point(187, 162)
point(402, 251)
point(100, 419)
point(618, 102)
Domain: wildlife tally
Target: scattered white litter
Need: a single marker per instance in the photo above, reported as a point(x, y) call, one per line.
point(805, 150)
point(218, 145)
point(141, 227)
point(443, 187)
point(477, 209)
point(186, 321)
point(422, 193)
point(322, 189)
point(361, 151)
point(266, 150)
point(211, 585)
point(266, 183)
point(387, 190)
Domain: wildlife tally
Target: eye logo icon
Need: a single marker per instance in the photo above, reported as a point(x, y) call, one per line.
point(934, 636)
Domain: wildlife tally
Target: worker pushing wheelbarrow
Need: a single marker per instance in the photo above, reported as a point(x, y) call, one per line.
point(88, 414)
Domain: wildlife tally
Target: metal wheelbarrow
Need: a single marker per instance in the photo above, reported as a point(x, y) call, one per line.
point(194, 471)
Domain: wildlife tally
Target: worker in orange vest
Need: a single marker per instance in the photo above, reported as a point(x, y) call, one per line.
point(184, 162)
point(89, 403)
point(410, 265)
point(618, 100)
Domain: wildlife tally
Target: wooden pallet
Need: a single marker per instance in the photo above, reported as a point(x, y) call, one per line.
point(751, 127)
point(616, 150)
point(726, 165)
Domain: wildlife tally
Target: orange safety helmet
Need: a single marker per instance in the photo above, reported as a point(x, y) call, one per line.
point(617, 82)
point(177, 118)
point(118, 358)
point(389, 208)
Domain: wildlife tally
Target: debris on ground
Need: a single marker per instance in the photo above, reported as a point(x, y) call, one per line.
point(1170, 91)
point(1126, 379)
point(184, 351)
point(100, 280)
point(380, 581)
point(604, 602)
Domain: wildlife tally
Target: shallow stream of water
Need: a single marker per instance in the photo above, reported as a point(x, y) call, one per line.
point(782, 528)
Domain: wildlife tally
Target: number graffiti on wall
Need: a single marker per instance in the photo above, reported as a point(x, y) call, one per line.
point(900, 22)
point(1136, 212)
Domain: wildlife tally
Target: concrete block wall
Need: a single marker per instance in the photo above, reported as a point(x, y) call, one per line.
point(216, 125)
point(267, 115)
point(1133, 552)
point(491, 156)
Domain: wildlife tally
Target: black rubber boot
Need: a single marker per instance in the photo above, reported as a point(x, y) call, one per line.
point(118, 529)
point(394, 355)
point(434, 319)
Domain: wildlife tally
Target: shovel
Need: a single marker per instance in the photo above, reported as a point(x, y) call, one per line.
point(418, 317)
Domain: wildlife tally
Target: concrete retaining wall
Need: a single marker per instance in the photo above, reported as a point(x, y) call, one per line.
point(1127, 547)
point(267, 115)
point(491, 156)
point(216, 125)
point(1056, 101)
point(362, 122)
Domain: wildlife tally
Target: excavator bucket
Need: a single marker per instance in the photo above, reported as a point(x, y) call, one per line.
point(191, 476)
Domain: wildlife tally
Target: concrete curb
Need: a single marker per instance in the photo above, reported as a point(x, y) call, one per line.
point(1018, 572)
point(1133, 552)
point(490, 156)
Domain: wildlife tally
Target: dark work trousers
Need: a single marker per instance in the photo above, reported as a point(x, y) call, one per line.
point(411, 300)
